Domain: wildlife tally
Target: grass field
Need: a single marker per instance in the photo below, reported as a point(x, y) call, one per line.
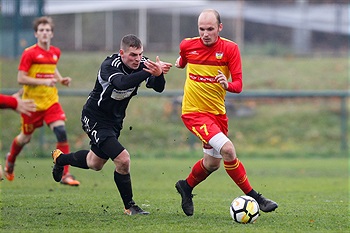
point(290, 149)
point(312, 195)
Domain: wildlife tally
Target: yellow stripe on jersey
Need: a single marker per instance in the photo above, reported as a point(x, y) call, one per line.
point(42, 70)
point(43, 96)
point(202, 92)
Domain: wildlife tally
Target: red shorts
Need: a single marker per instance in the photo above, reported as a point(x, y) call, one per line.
point(205, 125)
point(36, 120)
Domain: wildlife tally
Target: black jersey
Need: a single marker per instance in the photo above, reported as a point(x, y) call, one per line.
point(115, 85)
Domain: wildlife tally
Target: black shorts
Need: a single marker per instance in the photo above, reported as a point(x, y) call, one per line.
point(108, 149)
point(103, 139)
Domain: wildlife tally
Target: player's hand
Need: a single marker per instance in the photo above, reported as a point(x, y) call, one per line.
point(154, 68)
point(221, 78)
point(50, 82)
point(66, 81)
point(25, 106)
point(177, 62)
point(165, 66)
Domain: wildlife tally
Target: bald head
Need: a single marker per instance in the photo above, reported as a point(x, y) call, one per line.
point(210, 13)
point(209, 26)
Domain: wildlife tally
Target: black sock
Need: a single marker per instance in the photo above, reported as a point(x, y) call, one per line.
point(253, 194)
point(77, 159)
point(123, 183)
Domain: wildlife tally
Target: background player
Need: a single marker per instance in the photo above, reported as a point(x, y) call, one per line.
point(210, 60)
point(38, 74)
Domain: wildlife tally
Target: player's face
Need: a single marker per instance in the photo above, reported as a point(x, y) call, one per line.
point(44, 34)
point(208, 28)
point(132, 57)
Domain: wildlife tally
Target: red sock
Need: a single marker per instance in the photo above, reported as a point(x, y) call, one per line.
point(14, 151)
point(236, 171)
point(64, 147)
point(198, 174)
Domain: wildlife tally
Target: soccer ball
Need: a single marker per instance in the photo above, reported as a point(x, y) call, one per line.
point(244, 209)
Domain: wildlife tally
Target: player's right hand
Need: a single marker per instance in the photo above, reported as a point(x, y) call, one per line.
point(177, 62)
point(165, 66)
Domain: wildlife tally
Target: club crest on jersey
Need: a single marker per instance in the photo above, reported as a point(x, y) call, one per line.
point(55, 57)
point(219, 55)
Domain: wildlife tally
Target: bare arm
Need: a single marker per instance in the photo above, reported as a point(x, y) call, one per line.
point(24, 79)
point(63, 80)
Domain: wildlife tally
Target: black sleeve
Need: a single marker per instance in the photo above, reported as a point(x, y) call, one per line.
point(157, 83)
point(122, 82)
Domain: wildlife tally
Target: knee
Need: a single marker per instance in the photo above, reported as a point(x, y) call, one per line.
point(122, 162)
point(22, 139)
point(60, 132)
point(228, 151)
point(94, 162)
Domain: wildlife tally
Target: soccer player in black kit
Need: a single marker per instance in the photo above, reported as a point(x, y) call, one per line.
point(118, 80)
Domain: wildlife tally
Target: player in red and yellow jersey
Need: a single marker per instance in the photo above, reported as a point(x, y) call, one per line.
point(38, 74)
point(211, 61)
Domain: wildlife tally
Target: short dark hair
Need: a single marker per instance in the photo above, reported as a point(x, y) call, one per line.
point(130, 40)
point(43, 20)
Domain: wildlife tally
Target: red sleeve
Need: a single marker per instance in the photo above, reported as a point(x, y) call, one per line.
point(7, 101)
point(235, 67)
point(26, 61)
point(236, 85)
point(183, 59)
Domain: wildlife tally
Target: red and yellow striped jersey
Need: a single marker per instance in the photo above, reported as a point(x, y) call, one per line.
point(40, 63)
point(201, 92)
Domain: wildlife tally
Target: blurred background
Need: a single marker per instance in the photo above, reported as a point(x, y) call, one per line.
point(295, 57)
point(294, 27)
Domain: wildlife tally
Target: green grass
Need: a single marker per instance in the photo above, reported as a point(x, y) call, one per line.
point(313, 196)
point(290, 148)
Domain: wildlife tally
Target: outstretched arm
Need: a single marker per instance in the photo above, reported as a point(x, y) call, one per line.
point(16, 103)
point(157, 82)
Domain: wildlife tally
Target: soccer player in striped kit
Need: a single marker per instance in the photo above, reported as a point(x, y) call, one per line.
point(211, 60)
point(38, 74)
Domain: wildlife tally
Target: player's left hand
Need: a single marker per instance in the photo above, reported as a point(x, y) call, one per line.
point(221, 78)
point(66, 81)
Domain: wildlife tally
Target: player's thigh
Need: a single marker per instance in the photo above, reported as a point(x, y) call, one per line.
point(30, 123)
point(54, 116)
point(204, 126)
